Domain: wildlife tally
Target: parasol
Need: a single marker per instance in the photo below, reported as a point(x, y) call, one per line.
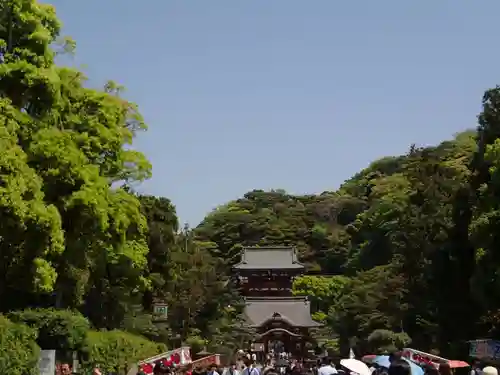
point(369, 358)
point(383, 361)
point(356, 366)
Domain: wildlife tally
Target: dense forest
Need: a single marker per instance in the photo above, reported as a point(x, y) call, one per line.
point(403, 251)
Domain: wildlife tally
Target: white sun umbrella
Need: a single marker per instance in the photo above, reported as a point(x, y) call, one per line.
point(356, 366)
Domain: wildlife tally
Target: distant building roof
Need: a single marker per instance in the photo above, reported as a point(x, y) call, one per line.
point(294, 310)
point(266, 258)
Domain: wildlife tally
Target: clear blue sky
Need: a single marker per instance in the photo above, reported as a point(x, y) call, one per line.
point(288, 94)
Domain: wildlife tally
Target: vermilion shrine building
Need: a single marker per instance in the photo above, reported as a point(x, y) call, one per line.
point(265, 276)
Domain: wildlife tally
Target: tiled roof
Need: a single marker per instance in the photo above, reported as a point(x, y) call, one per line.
point(294, 310)
point(269, 258)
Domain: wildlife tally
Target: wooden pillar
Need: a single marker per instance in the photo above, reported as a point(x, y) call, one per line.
point(286, 343)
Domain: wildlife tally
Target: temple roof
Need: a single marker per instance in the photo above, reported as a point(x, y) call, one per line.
point(266, 258)
point(296, 311)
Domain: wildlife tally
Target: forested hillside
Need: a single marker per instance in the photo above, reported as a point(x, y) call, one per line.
point(412, 240)
point(337, 232)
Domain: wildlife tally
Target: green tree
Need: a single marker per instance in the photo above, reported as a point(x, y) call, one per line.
point(322, 291)
point(372, 300)
point(69, 143)
point(384, 341)
point(18, 348)
point(31, 231)
point(162, 230)
point(483, 259)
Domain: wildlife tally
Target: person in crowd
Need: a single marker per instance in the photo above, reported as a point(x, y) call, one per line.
point(250, 368)
point(231, 370)
point(66, 369)
point(490, 370)
point(381, 371)
point(212, 369)
point(270, 371)
point(445, 369)
point(240, 364)
point(476, 368)
point(315, 367)
point(399, 367)
point(430, 370)
point(395, 356)
point(326, 367)
point(160, 368)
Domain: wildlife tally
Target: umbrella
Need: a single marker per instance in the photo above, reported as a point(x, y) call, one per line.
point(356, 366)
point(369, 358)
point(383, 361)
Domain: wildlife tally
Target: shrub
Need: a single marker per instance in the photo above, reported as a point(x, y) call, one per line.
point(116, 351)
point(63, 330)
point(18, 349)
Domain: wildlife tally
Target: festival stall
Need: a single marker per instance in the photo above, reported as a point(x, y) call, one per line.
point(172, 358)
point(423, 358)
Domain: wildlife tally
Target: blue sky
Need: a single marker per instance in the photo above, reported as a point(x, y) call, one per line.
point(290, 94)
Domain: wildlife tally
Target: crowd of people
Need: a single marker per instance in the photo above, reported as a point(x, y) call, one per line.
point(400, 366)
point(283, 365)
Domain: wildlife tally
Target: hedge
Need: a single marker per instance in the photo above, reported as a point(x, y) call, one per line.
point(116, 351)
point(62, 330)
point(19, 352)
